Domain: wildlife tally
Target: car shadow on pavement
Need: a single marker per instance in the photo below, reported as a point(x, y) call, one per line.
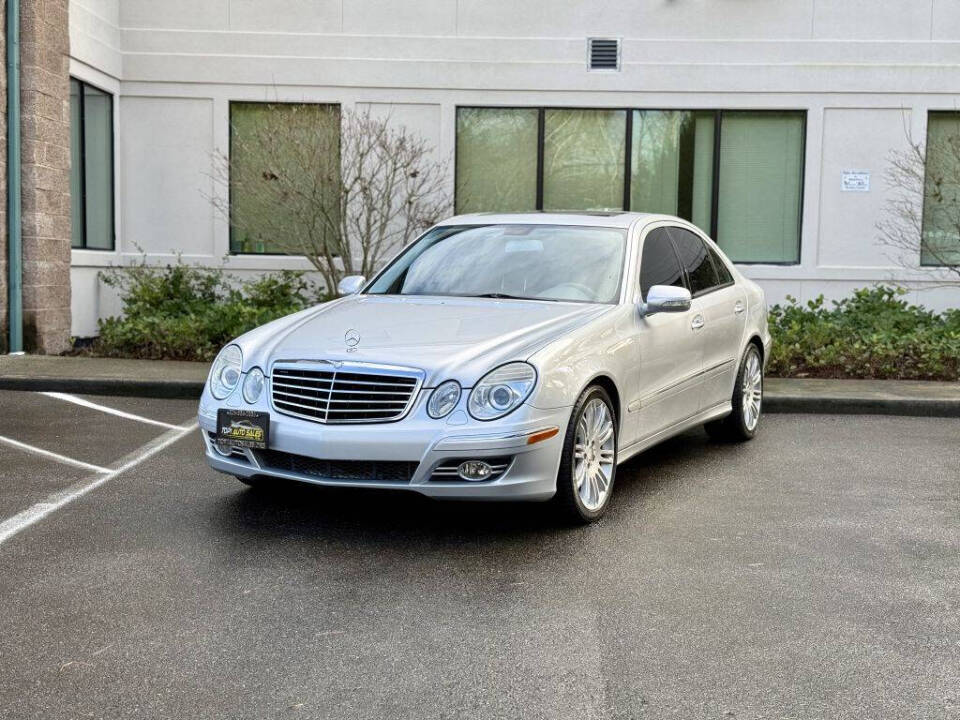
point(290, 509)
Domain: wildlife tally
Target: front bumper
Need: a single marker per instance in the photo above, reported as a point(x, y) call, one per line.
point(416, 439)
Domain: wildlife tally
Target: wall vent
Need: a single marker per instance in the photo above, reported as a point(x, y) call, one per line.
point(603, 54)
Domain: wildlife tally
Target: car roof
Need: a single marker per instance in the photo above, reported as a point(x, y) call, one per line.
point(616, 218)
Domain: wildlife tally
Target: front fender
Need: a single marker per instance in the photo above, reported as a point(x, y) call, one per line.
point(604, 347)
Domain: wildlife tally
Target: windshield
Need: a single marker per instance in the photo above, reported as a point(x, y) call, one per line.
point(536, 262)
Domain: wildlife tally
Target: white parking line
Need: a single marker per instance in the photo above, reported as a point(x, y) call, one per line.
point(52, 455)
point(103, 408)
point(22, 520)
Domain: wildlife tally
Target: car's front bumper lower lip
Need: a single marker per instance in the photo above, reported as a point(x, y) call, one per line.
point(417, 439)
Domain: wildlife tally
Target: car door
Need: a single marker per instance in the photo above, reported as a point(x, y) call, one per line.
point(669, 346)
point(722, 304)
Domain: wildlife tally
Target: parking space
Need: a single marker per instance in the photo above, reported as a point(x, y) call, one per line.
point(84, 433)
point(53, 444)
point(26, 479)
point(811, 573)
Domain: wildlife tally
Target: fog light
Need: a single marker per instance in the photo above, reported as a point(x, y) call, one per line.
point(224, 448)
point(474, 470)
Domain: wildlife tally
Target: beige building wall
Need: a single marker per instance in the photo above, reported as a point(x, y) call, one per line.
point(858, 68)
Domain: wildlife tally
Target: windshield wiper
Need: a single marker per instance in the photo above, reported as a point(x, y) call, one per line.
point(505, 296)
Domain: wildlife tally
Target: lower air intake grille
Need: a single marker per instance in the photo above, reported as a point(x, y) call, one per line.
point(392, 471)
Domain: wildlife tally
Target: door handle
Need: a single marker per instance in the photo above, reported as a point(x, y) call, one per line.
point(738, 307)
point(697, 322)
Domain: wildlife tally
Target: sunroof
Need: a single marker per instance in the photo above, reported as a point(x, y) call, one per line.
point(595, 213)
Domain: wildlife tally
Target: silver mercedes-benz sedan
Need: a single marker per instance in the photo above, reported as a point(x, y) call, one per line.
point(499, 357)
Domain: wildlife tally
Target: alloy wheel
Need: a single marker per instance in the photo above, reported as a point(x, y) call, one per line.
point(752, 391)
point(594, 454)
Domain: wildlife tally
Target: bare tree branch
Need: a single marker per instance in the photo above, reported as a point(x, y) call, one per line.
point(345, 190)
point(921, 223)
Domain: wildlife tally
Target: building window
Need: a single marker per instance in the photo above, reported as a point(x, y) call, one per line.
point(91, 167)
point(496, 159)
point(272, 146)
point(941, 191)
point(760, 177)
point(738, 175)
point(671, 164)
point(583, 159)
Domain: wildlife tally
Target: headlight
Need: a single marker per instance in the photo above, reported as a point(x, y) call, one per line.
point(502, 391)
point(225, 373)
point(253, 385)
point(444, 399)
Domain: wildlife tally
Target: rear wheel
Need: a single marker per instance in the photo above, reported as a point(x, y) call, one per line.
point(747, 400)
point(588, 463)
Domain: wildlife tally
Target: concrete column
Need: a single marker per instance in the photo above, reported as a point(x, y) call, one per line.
point(45, 79)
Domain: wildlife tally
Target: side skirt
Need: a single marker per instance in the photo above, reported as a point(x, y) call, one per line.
point(717, 411)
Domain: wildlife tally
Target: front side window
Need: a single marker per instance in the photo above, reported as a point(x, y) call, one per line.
point(941, 191)
point(701, 274)
point(539, 262)
point(91, 167)
point(658, 263)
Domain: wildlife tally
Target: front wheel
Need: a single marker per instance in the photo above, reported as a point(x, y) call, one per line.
point(588, 464)
point(742, 423)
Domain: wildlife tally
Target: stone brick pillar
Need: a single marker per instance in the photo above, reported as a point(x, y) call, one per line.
point(45, 97)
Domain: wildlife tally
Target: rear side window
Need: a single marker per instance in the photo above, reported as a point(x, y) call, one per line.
point(659, 264)
point(701, 274)
point(722, 270)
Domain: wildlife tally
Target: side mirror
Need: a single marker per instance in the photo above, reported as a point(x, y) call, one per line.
point(666, 298)
point(351, 284)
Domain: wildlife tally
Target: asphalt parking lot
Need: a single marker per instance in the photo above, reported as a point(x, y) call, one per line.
point(812, 573)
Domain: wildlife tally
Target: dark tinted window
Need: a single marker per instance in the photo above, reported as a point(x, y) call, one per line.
point(722, 270)
point(659, 264)
point(695, 259)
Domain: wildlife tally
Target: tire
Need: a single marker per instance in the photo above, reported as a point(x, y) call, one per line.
point(742, 424)
point(582, 496)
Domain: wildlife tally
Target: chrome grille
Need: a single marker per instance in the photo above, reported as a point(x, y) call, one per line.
point(343, 393)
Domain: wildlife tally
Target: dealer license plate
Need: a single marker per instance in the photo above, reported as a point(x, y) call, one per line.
point(243, 428)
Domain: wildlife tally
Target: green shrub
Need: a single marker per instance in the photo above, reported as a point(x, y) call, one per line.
point(184, 312)
point(873, 334)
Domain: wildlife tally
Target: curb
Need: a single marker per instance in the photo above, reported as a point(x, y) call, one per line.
point(166, 389)
point(772, 403)
point(914, 407)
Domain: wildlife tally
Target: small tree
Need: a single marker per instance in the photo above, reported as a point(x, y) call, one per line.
point(343, 190)
point(922, 214)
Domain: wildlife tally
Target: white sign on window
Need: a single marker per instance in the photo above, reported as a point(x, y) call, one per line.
point(855, 181)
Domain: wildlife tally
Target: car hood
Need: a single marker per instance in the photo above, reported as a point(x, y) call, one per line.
point(448, 337)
